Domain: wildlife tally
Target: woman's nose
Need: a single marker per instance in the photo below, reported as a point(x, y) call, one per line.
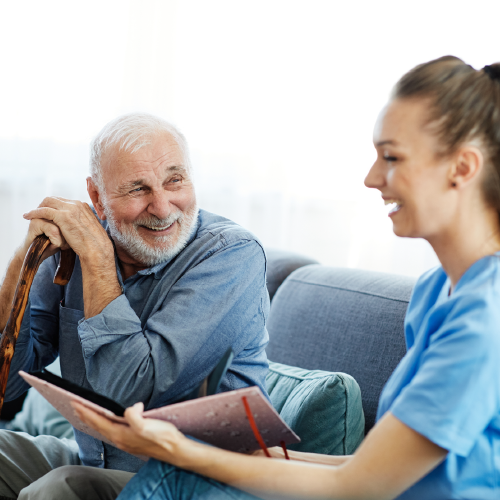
point(375, 177)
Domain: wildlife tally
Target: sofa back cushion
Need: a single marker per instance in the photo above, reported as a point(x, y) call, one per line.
point(324, 409)
point(342, 320)
point(280, 263)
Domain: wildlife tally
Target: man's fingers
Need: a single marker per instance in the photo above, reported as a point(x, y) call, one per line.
point(56, 205)
point(41, 213)
point(41, 226)
point(56, 202)
point(60, 198)
point(78, 225)
point(68, 216)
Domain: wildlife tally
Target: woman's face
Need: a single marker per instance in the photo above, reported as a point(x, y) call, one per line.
point(412, 179)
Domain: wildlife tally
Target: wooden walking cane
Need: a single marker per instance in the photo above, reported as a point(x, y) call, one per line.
point(28, 271)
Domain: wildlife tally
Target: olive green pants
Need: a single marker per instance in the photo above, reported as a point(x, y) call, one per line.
point(42, 468)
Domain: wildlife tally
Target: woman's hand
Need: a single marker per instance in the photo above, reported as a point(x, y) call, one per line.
point(391, 459)
point(275, 452)
point(143, 436)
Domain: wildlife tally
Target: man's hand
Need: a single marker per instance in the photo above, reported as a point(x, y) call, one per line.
point(143, 436)
point(69, 223)
point(73, 224)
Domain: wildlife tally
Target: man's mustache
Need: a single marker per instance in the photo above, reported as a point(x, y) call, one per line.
point(154, 221)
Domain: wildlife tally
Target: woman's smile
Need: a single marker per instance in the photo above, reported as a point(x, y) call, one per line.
point(394, 206)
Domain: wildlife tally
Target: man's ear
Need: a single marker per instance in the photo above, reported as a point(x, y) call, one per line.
point(96, 198)
point(468, 165)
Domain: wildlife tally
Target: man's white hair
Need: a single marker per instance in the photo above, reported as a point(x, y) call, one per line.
point(130, 133)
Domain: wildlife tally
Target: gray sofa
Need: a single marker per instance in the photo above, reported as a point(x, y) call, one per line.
point(321, 318)
point(339, 320)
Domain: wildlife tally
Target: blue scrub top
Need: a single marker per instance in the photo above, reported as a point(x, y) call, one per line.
point(447, 387)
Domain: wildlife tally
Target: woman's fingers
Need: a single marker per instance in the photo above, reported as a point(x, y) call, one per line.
point(115, 432)
point(150, 437)
point(133, 415)
point(123, 436)
point(150, 429)
point(92, 418)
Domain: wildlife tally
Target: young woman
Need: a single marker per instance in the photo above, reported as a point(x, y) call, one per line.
point(438, 429)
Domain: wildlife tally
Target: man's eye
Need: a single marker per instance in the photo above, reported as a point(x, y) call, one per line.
point(136, 190)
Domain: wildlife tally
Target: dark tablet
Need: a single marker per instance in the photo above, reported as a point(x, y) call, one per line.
point(208, 387)
point(87, 394)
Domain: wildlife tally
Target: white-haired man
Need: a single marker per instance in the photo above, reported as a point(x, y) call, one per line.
point(159, 291)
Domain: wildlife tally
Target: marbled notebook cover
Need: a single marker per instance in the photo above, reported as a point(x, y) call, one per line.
point(219, 420)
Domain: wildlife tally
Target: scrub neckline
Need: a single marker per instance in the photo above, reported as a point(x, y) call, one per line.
point(463, 279)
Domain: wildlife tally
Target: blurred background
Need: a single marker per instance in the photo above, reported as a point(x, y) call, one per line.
point(277, 99)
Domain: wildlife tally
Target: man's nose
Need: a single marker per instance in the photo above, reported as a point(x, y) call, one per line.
point(160, 204)
point(375, 177)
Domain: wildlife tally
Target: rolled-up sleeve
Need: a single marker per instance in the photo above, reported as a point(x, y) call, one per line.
point(220, 302)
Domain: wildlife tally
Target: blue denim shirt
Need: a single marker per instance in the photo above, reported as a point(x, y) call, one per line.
point(161, 337)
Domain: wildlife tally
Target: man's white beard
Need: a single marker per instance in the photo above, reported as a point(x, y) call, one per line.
point(130, 240)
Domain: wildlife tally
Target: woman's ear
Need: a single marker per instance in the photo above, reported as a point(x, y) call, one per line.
point(96, 198)
point(466, 167)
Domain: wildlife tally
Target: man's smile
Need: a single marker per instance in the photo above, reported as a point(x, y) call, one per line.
point(157, 230)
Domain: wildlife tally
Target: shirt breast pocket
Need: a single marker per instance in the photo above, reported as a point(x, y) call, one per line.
point(70, 349)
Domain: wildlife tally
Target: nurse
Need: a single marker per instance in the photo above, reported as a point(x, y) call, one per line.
point(438, 429)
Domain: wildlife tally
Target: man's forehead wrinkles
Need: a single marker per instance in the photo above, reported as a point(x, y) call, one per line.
point(146, 172)
point(129, 158)
point(145, 169)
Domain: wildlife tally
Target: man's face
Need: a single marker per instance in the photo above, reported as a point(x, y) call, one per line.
point(149, 201)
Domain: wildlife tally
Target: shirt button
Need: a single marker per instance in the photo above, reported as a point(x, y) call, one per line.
point(102, 456)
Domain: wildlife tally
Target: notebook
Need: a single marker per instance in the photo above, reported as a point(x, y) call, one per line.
point(217, 419)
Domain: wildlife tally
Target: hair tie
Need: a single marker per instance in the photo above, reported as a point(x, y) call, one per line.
point(493, 72)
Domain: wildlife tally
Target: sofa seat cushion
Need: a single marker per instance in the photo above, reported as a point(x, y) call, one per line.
point(323, 408)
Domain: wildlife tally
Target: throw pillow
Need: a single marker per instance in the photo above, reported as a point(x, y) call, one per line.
point(323, 408)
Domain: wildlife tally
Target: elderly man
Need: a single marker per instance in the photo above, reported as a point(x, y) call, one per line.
point(159, 291)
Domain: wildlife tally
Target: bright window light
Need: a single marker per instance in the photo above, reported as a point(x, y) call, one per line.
point(277, 99)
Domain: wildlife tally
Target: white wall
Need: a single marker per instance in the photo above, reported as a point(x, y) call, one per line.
point(277, 98)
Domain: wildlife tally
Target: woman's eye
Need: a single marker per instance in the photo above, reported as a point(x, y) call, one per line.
point(390, 158)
